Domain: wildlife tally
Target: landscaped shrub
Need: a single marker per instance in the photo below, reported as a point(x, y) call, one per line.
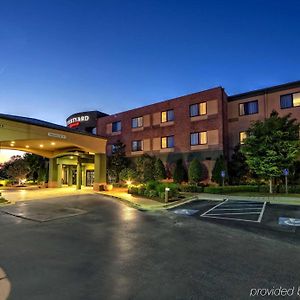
point(128, 174)
point(220, 166)
point(153, 194)
point(195, 171)
point(159, 170)
point(234, 189)
point(190, 188)
point(180, 173)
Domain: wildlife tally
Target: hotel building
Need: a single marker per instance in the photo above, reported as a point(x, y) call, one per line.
point(205, 125)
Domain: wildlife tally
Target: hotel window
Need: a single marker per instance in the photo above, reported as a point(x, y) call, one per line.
point(248, 108)
point(137, 145)
point(243, 136)
point(198, 109)
point(137, 122)
point(167, 116)
point(291, 100)
point(167, 142)
point(199, 138)
point(116, 126)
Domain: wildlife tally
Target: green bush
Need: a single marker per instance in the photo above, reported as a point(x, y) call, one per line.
point(234, 189)
point(152, 185)
point(191, 188)
point(180, 173)
point(127, 174)
point(153, 194)
point(133, 190)
point(220, 165)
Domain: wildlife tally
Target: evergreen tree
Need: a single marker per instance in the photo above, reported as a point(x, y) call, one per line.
point(180, 173)
point(159, 170)
point(238, 170)
point(220, 166)
point(145, 166)
point(195, 171)
point(117, 161)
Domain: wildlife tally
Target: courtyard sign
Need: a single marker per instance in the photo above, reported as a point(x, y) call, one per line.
point(78, 120)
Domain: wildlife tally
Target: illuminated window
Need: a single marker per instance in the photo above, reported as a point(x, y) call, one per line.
point(167, 116)
point(248, 108)
point(243, 136)
point(116, 126)
point(198, 138)
point(203, 138)
point(290, 100)
point(198, 109)
point(167, 142)
point(137, 145)
point(202, 107)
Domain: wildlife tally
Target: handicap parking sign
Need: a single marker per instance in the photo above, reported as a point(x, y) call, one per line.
point(285, 172)
point(289, 221)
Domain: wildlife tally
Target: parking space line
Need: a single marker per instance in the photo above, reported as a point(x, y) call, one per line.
point(247, 213)
point(228, 209)
point(214, 207)
point(262, 212)
point(238, 208)
point(231, 219)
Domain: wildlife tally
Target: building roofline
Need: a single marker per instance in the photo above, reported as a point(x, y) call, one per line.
point(167, 100)
point(45, 124)
point(262, 91)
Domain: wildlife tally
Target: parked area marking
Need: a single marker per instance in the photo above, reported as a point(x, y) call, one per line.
point(249, 211)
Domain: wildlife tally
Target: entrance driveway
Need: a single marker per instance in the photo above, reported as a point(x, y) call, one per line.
point(111, 251)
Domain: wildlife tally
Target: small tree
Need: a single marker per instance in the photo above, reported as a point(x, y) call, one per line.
point(117, 161)
point(238, 170)
point(180, 173)
point(145, 166)
point(18, 169)
point(220, 166)
point(271, 146)
point(195, 171)
point(128, 174)
point(159, 170)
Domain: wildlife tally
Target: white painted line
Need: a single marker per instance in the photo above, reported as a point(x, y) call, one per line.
point(232, 219)
point(214, 207)
point(246, 213)
point(251, 208)
point(262, 212)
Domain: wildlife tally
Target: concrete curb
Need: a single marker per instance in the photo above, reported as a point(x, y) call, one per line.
point(5, 286)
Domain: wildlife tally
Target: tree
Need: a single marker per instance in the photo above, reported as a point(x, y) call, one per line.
point(195, 171)
point(128, 174)
point(271, 146)
point(117, 161)
point(159, 170)
point(18, 169)
point(219, 166)
point(238, 170)
point(180, 173)
point(145, 166)
point(38, 167)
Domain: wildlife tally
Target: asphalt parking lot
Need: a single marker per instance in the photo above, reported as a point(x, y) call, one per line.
point(260, 218)
point(92, 247)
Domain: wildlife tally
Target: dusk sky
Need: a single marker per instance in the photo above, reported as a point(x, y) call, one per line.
point(62, 57)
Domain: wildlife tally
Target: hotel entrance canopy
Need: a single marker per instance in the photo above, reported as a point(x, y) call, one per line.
point(53, 141)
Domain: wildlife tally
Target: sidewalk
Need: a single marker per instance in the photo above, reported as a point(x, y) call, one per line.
point(149, 204)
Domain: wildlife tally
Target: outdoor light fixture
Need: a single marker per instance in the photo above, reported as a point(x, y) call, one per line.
point(41, 146)
point(71, 157)
point(26, 146)
point(128, 182)
point(52, 143)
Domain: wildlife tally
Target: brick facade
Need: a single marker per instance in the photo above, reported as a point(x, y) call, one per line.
point(219, 122)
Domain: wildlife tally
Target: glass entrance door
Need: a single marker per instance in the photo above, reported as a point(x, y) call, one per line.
point(90, 175)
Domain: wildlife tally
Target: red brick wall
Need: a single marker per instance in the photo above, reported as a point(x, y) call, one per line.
point(182, 124)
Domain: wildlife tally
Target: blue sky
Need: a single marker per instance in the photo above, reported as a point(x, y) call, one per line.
point(61, 57)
